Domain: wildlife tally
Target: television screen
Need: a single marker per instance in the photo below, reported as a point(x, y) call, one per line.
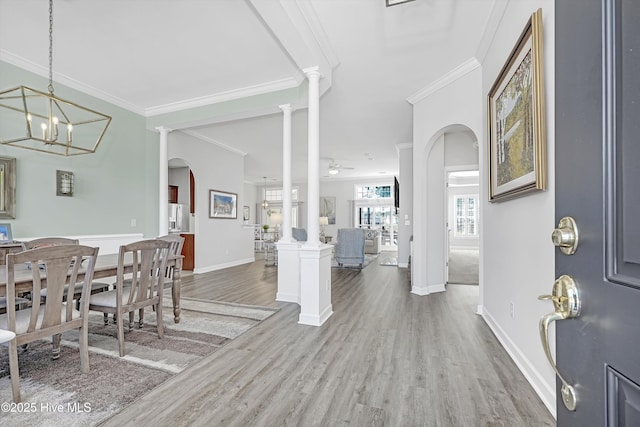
point(396, 194)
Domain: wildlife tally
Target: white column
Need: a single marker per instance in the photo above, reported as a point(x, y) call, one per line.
point(313, 162)
point(315, 257)
point(288, 248)
point(163, 182)
point(286, 173)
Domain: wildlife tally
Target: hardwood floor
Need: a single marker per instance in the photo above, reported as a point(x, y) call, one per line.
point(385, 358)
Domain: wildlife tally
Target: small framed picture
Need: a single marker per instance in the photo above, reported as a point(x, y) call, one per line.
point(222, 204)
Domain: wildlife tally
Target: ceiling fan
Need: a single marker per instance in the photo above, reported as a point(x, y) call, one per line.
point(335, 168)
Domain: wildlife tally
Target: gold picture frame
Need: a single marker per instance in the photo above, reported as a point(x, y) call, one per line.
point(7, 187)
point(517, 129)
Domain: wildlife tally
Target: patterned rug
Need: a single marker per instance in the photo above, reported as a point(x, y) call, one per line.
point(55, 393)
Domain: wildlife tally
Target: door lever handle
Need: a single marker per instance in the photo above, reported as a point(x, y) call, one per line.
point(567, 305)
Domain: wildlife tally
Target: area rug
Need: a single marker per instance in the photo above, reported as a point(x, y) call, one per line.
point(55, 393)
point(367, 260)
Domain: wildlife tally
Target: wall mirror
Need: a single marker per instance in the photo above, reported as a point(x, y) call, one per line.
point(7, 187)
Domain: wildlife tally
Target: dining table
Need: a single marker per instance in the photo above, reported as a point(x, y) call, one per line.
point(106, 266)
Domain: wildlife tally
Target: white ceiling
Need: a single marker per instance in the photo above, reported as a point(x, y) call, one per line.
point(155, 56)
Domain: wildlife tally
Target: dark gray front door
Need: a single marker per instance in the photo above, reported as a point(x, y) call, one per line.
point(597, 176)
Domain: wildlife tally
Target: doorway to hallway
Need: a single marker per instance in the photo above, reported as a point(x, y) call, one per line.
point(462, 216)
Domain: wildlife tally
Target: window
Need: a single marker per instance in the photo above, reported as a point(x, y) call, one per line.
point(275, 194)
point(466, 215)
point(368, 192)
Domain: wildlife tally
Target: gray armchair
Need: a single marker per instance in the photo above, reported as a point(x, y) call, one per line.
point(350, 246)
point(300, 234)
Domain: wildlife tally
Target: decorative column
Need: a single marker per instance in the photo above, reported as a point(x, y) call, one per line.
point(313, 162)
point(163, 182)
point(286, 173)
point(315, 257)
point(288, 248)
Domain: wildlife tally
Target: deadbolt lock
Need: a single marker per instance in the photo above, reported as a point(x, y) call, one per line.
point(565, 236)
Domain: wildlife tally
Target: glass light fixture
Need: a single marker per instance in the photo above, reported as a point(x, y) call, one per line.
point(43, 122)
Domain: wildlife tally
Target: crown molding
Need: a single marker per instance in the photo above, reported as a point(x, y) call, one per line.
point(404, 146)
point(231, 95)
point(453, 75)
point(213, 141)
point(68, 81)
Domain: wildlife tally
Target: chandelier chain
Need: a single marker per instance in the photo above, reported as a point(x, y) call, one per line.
point(51, 46)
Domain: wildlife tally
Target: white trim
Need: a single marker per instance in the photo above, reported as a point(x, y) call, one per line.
point(108, 243)
point(466, 67)
point(213, 141)
point(545, 391)
point(216, 98)
point(316, 320)
point(221, 266)
point(68, 81)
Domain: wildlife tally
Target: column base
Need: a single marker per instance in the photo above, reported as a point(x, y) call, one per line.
point(315, 285)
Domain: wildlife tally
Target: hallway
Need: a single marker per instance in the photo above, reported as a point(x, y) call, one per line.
point(385, 357)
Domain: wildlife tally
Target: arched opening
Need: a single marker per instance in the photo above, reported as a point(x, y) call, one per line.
point(182, 217)
point(452, 203)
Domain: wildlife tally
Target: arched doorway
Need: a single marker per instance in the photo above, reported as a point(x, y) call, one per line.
point(182, 208)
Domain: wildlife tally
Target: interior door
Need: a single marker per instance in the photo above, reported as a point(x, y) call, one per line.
point(597, 176)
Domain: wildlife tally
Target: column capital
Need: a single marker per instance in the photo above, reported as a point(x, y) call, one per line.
point(312, 72)
point(163, 129)
point(286, 108)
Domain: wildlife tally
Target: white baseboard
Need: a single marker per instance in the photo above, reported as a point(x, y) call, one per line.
point(283, 297)
point(403, 265)
point(546, 391)
point(314, 319)
point(428, 289)
point(221, 266)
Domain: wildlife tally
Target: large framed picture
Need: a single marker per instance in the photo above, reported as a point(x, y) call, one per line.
point(517, 130)
point(223, 204)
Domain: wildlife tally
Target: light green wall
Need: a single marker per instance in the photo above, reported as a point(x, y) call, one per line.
point(116, 184)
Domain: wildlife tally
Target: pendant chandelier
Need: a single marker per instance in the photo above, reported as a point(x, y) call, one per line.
point(43, 122)
point(265, 204)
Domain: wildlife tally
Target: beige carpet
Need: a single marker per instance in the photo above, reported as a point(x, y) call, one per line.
point(463, 266)
point(56, 393)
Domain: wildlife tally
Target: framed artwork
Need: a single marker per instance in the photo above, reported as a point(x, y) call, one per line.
point(222, 204)
point(245, 213)
point(7, 187)
point(517, 130)
point(328, 208)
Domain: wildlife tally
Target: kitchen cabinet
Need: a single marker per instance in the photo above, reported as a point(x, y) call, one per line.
point(188, 251)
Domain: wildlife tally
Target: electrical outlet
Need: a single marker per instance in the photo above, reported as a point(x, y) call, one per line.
point(133, 222)
point(512, 310)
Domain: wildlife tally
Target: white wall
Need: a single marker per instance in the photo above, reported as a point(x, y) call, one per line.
point(445, 108)
point(516, 255)
point(219, 243)
point(405, 212)
point(519, 273)
point(113, 186)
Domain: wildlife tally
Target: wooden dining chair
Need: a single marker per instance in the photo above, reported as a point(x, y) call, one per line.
point(7, 337)
point(52, 267)
point(149, 259)
point(57, 241)
point(176, 243)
